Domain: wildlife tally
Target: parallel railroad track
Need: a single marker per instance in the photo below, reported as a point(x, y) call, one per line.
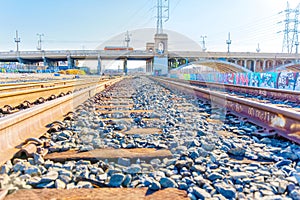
point(13, 98)
point(272, 93)
point(136, 138)
point(285, 122)
point(112, 108)
point(31, 123)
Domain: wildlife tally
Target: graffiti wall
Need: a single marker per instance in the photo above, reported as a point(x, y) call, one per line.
point(280, 80)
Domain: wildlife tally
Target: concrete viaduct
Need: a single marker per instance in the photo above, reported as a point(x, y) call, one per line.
point(256, 62)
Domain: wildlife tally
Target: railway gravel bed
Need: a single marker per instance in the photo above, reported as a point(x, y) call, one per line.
point(207, 154)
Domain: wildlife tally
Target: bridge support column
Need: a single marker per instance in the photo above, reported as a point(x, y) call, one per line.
point(264, 65)
point(186, 61)
point(254, 66)
point(48, 62)
point(71, 63)
point(245, 63)
point(99, 65)
point(125, 70)
point(149, 66)
point(160, 65)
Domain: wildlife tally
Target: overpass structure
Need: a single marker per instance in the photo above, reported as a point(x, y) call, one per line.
point(249, 61)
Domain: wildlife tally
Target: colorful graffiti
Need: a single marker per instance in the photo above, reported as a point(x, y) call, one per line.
point(280, 80)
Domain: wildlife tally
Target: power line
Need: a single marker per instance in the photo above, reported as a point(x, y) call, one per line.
point(135, 15)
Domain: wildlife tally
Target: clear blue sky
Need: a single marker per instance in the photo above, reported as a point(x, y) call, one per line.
point(78, 24)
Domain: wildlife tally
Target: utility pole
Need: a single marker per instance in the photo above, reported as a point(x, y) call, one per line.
point(228, 42)
point(17, 40)
point(39, 45)
point(127, 39)
point(258, 49)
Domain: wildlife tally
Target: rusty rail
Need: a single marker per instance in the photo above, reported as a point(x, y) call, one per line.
point(285, 122)
point(31, 85)
point(293, 96)
point(15, 98)
point(31, 123)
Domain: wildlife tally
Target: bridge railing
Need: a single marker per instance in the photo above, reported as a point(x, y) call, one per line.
point(75, 52)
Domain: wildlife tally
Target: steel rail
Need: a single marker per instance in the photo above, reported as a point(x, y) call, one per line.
point(31, 123)
point(32, 85)
point(280, 94)
point(15, 98)
point(285, 123)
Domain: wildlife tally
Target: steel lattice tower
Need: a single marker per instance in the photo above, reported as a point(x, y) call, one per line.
point(290, 38)
point(162, 13)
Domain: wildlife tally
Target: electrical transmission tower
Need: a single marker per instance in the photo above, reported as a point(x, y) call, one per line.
point(162, 13)
point(290, 38)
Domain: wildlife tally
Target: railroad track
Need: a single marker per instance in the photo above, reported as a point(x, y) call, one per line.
point(112, 107)
point(289, 96)
point(16, 97)
point(31, 123)
point(138, 140)
point(276, 120)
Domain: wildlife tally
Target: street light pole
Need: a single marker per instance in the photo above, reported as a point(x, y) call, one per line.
point(258, 49)
point(39, 45)
point(17, 40)
point(228, 42)
point(203, 42)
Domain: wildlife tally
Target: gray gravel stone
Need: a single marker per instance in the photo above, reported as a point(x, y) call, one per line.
point(226, 190)
point(116, 180)
point(238, 175)
point(207, 146)
point(59, 184)
point(201, 193)
point(66, 179)
point(167, 183)
point(238, 151)
point(282, 163)
point(127, 180)
point(124, 161)
point(155, 185)
point(33, 171)
point(49, 177)
point(295, 194)
point(84, 184)
point(134, 168)
point(215, 176)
